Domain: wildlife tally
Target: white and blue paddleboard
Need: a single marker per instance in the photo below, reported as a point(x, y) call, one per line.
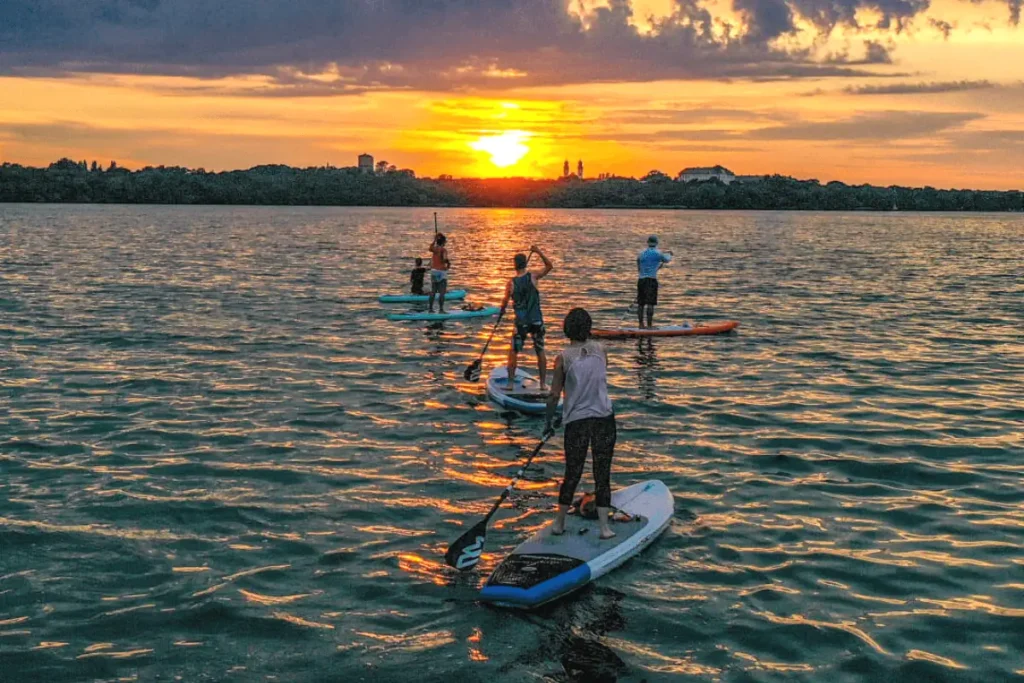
point(453, 295)
point(485, 312)
point(547, 567)
point(524, 395)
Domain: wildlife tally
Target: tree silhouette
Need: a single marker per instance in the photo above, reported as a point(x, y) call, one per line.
point(67, 180)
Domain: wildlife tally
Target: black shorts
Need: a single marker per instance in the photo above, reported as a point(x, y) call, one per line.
point(535, 330)
point(647, 291)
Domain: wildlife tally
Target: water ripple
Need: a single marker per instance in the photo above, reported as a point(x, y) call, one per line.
point(212, 442)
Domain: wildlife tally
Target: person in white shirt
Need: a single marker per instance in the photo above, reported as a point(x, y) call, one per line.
point(580, 371)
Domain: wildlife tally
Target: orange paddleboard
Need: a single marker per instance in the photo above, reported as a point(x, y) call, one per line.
point(669, 331)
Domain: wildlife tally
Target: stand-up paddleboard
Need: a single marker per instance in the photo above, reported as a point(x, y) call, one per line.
point(453, 295)
point(485, 312)
point(669, 330)
point(547, 567)
point(524, 395)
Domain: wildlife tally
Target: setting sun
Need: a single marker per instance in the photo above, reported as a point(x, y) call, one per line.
point(505, 149)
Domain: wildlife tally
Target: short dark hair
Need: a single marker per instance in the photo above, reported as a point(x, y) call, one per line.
point(440, 238)
point(577, 325)
point(520, 261)
point(419, 261)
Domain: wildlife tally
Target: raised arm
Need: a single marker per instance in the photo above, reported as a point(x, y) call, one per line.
point(547, 263)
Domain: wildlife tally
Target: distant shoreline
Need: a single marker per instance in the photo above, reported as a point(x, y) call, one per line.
point(71, 182)
point(523, 208)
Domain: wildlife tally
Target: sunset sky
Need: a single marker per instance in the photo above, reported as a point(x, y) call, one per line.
point(882, 91)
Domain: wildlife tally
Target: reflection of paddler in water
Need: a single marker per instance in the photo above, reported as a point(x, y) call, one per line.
point(436, 347)
point(646, 363)
point(522, 290)
point(581, 372)
point(571, 635)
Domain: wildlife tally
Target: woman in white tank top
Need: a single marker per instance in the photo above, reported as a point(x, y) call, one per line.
point(580, 370)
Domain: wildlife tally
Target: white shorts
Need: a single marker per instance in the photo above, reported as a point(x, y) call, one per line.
point(438, 275)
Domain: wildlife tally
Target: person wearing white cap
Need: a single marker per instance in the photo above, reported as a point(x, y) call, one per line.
point(648, 263)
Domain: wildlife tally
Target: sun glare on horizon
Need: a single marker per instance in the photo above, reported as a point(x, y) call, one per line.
point(505, 149)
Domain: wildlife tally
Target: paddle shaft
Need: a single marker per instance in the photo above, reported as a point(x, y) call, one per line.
point(491, 338)
point(473, 366)
point(464, 553)
point(515, 479)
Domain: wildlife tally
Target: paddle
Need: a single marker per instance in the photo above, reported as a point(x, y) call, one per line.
point(472, 373)
point(464, 553)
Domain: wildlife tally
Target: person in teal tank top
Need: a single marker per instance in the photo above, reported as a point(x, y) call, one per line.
point(522, 290)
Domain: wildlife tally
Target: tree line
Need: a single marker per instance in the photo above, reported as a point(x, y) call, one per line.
point(78, 182)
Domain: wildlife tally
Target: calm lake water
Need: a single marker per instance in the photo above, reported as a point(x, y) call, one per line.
point(218, 461)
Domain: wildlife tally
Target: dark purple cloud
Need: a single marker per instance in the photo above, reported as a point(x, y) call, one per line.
point(884, 126)
point(943, 27)
point(868, 127)
point(702, 115)
point(430, 44)
point(919, 88)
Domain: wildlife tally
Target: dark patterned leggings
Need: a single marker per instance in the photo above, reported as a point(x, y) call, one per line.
point(598, 434)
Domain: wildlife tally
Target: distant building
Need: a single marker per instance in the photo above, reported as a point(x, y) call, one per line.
point(742, 179)
point(703, 173)
point(366, 163)
point(579, 169)
point(565, 169)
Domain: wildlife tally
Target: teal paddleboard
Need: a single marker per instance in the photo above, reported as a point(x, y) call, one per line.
point(485, 312)
point(419, 298)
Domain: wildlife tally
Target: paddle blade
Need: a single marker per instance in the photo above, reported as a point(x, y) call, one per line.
point(464, 553)
point(472, 373)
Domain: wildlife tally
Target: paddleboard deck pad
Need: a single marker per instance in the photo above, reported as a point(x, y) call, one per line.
point(485, 312)
point(547, 567)
point(669, 330)
point(453, 295)
point(524, 395)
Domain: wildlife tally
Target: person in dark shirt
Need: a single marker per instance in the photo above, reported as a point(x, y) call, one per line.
point(416, 277)
point(522, 290)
